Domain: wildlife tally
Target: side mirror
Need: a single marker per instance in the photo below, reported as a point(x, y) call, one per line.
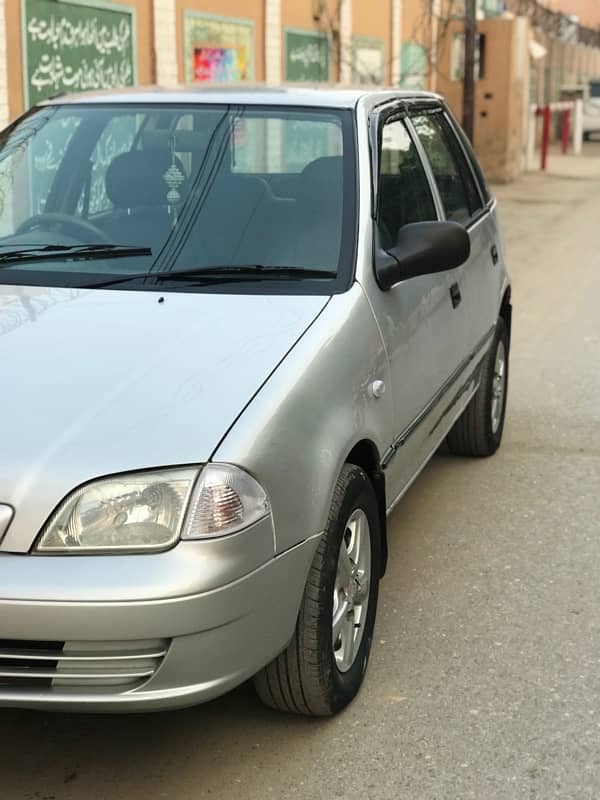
point(422, 248)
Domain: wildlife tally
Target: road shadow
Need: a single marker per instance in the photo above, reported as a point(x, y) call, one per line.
point(49, 756)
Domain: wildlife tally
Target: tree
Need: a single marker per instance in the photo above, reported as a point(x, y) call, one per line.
point(469, 76)
point(426, 35)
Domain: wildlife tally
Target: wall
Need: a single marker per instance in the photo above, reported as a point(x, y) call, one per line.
point(297, 17)
point(416, 45)
point(565, 63)
point(13, 15)
point(588, 11)
point(500, 95)
point(372, 22)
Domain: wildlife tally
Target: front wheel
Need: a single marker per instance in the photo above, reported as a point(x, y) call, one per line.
point(478, 431)
point(322, 668)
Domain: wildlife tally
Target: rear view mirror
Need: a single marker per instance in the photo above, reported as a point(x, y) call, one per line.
point(422, 248)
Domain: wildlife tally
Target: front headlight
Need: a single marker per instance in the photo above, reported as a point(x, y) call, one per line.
point(148, 511)
point(141, 511)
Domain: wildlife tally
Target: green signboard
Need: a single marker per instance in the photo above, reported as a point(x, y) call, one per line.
point(368, 60)
point(307, 56)
point(413, 66)
point(76, 46)
point(491, 8)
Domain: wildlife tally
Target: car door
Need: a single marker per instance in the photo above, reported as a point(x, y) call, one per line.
point(463, 201)
point(423, 329)
point(485, 276)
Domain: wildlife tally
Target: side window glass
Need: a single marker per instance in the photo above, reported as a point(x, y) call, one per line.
point(455, 182)
point(404, 194)
point(474, 164)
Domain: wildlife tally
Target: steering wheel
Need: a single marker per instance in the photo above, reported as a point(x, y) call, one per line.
point(74, 224)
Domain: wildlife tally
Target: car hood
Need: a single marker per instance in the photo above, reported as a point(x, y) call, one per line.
point(103, 381)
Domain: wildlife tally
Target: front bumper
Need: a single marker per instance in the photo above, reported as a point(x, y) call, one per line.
point(165, 650)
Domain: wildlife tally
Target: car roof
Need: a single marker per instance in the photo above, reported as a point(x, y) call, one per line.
point(322, 95)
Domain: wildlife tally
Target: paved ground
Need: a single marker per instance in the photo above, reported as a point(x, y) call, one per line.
point(485, 677)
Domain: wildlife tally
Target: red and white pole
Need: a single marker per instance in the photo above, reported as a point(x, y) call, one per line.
point(545, 135)
point(565, 130)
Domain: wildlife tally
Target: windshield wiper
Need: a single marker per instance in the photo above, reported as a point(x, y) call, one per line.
point(207, 275)
point(75, 252)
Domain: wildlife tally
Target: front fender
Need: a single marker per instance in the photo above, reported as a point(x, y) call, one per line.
point(296, 433)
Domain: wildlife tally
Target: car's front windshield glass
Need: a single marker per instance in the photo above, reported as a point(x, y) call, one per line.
point(189, 187)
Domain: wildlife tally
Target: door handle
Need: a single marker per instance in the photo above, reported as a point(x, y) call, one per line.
point(495, 256)
point(455, 295)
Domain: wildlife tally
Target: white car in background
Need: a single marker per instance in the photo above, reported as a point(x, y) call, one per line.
point(591, 109)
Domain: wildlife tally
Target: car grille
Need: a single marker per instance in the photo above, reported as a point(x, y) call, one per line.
point(90, 667)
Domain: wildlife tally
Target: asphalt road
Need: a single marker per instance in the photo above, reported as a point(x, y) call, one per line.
point(485, 676)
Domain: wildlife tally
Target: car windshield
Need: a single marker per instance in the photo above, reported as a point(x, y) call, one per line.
point(595, 89)
point(94, 192)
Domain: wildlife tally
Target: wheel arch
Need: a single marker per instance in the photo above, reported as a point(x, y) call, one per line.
point(365, 455)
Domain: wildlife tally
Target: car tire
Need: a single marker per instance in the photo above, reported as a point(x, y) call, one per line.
point(316, 675)
point(478, 431)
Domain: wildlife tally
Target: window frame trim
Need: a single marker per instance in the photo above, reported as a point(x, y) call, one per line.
point(487, 197)
point(468, 160)
point(390, 111)
point(437, 198)
point(483, 209)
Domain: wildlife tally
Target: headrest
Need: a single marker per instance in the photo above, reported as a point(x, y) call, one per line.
point(325, 165)
point(145, 178)
point(324, 175)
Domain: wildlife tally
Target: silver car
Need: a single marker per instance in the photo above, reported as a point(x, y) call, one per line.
point(234, 326)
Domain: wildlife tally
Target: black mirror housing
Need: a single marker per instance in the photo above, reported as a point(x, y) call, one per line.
point(422, 248)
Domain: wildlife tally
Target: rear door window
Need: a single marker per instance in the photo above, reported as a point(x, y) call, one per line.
point(467, 149)
point(455, 181)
